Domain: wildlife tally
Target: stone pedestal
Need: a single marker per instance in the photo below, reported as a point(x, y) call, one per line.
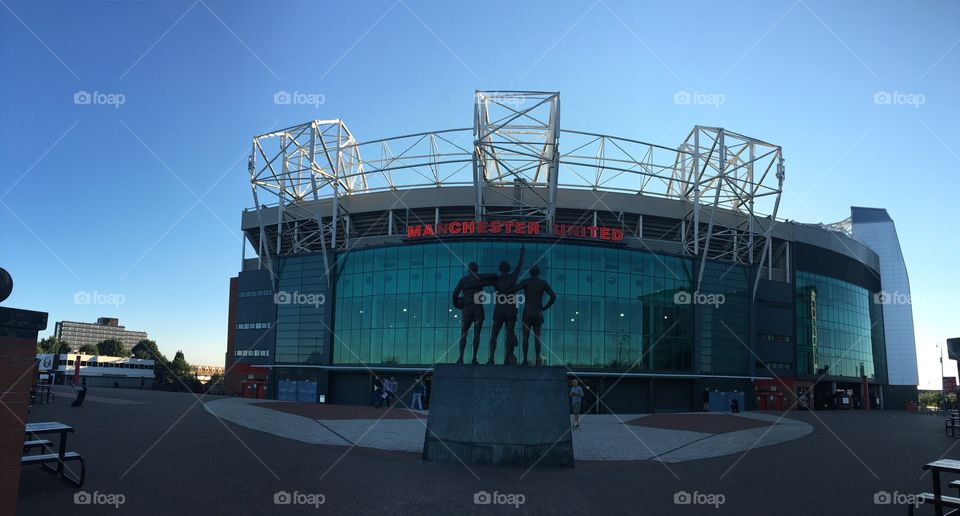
point(497, 414)
point(18, 352)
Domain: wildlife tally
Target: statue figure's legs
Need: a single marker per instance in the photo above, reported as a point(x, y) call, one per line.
point(472, 316)
point(526, 341)
point(536, 336)
point(534, 321)
point(464, 329)
point(477, 325)
point(494, 333)
point(511, 342)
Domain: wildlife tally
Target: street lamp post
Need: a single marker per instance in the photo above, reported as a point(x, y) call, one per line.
point(943, 392)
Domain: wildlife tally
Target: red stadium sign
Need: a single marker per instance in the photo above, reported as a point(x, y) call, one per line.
point(512, 228)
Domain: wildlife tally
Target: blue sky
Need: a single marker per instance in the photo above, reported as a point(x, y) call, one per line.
point(140, 200)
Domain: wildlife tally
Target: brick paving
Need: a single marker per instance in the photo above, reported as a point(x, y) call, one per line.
point(167, 455)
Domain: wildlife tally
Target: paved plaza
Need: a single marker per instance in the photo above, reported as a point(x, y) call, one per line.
point(602, 437)
point(172, 453)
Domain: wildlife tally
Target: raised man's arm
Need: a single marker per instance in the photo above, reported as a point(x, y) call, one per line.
point(516, 270)
point(551, 293)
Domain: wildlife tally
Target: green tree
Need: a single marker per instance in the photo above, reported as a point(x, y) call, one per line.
point(147, 349)
point(935, 399)
point(89, 349)
point(182, 376)
point(52, 344)
point(180, 366)
point(112, 348)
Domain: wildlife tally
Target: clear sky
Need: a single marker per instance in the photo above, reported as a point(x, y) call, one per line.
point(133, 195)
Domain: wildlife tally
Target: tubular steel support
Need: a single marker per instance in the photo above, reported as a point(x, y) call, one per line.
point(513, 160)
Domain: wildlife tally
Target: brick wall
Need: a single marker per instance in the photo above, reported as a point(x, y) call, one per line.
point(18, 352)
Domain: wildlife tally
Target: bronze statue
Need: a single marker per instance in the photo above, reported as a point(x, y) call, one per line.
point(505, 310)
point(533, 289)
point(468, 296)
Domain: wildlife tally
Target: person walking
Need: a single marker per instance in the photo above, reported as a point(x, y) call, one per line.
point(379, 391)
point(735, 405)
point(417, 404)
point(576, 400)
point(427, 386)
point(81, 393)
point(706, 399)
point(391, 391)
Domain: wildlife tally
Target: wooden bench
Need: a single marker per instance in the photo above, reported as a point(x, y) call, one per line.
point(28, 445)
point(46, 458)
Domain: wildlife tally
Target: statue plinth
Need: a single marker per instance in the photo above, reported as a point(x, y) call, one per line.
point(504, 415)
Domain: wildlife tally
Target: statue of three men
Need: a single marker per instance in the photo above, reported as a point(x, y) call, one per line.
point(470, 298)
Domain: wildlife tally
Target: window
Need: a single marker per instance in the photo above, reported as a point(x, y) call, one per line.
point(251, 353)
point(254, 326)
point(254, 293)
point(615, 307)
point(839, 328)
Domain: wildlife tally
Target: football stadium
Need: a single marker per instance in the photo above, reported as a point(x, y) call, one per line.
point(673, 274)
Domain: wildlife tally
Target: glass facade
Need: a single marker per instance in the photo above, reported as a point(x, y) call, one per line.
point(615, 306)
point(839, 327)
point(723, 319)
point(303, 325)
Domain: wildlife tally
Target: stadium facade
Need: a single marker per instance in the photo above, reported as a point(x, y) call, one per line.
point(672, 271)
